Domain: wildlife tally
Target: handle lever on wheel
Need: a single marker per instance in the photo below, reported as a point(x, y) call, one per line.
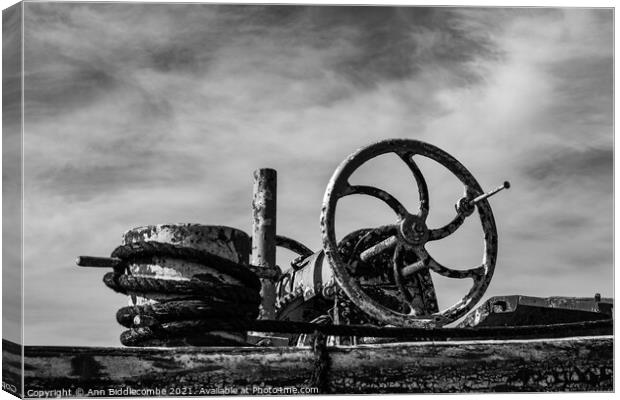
point(505, 185)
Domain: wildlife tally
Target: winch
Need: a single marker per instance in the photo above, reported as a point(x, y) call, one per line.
point(201, 285)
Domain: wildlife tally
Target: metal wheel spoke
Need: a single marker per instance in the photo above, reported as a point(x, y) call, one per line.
point(382, 195)
point(447, 230)
point(420, 181)
point(474, 273)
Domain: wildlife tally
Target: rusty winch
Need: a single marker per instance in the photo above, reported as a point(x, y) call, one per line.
point(191, 284)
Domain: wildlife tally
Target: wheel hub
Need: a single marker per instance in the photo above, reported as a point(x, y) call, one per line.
point(413, 230)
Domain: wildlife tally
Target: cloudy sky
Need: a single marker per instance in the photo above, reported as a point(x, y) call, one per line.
point(139, 114)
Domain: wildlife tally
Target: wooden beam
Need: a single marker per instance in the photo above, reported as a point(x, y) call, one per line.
point(570, 364)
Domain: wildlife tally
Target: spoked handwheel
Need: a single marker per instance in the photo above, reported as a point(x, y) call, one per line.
point(410, 233)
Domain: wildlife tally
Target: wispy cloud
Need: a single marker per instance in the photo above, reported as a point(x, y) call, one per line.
point(140, 114)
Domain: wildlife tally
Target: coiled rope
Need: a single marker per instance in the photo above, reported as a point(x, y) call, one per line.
point(188, 305)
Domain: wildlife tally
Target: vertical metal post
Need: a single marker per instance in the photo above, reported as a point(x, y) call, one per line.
point(264, 234)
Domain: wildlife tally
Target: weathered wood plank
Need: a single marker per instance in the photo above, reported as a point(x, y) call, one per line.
point(498, 366)
point(570, 364)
